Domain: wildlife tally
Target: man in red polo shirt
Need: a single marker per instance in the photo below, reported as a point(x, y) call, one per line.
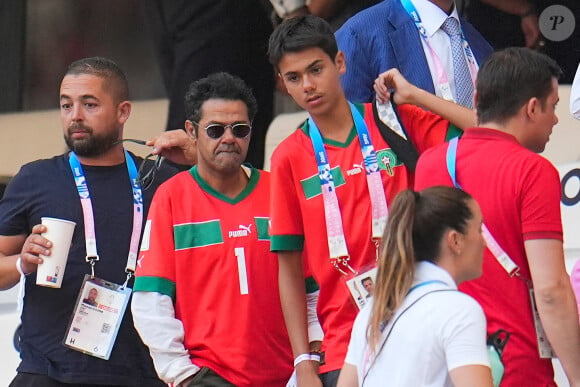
point(519, 194)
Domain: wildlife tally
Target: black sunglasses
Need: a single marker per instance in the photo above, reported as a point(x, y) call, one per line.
point(148, 167)
point(215, 131)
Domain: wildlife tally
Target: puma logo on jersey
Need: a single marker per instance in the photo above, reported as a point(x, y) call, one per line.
point(242, 231)
point(247, 228)
point(356, 169)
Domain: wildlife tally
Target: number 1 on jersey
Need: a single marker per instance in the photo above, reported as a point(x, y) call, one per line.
point(242, 273)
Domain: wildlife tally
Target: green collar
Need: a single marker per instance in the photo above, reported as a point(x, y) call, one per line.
point(351, 136)
point(254, 178)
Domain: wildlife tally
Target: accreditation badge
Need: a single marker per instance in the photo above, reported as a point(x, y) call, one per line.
point(362, 285)
point(97, 317)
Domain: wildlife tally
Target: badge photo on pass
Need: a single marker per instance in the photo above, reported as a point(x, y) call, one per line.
point(361, 286)
point(97, 316)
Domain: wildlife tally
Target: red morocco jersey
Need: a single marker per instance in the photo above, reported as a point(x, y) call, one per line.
point(298, 221)
point(211, 254)
point(519, 195)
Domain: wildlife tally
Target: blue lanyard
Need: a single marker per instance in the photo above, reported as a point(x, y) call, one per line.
point(412, 11)
point(451, 158)
point(369, 154)
point(89, 221)
point(421, 284)
point(414, 14)
point(492, 245)
point(335, 231)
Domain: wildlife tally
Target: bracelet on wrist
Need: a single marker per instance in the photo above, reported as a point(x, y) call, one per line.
point(315, 356)
point(19, 267)
point(300, 358)
point(312, 356)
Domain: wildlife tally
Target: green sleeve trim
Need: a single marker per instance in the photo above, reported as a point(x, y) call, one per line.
point(286, 242)
point(311, 285)
point(452, 132)
point(155, 284)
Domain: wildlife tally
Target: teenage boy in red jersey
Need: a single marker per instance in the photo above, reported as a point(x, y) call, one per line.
point(519, 195)
point(337, 196)
point(206, 298)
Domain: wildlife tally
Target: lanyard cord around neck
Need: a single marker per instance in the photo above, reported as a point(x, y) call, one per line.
point(442, 80)
point(334, 227)
point(496, 250)
point(89, 220)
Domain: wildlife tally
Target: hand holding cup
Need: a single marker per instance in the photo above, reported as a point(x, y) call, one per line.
point(50, 270)
point(34, 245)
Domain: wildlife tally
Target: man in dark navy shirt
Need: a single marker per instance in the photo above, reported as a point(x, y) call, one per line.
point(94, 109)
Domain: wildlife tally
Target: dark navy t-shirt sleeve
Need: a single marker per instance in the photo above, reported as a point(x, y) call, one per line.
point(14, 205)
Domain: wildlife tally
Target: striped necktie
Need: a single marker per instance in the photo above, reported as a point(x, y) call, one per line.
point(463, 83)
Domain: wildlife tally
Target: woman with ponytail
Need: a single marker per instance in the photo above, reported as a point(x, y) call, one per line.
point(418, 330)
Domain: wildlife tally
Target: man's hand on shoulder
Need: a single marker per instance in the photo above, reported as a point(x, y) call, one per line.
point(176, 146)
point(393, 81)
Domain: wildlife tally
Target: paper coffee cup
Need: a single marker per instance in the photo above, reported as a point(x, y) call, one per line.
point(51, 271)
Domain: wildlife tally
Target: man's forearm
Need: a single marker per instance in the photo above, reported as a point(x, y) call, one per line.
point(458, 115)
point(9, 275)
point(153, 316)
point(293, 298)
point(555, 301)
point(10, 251)
point(559, 316)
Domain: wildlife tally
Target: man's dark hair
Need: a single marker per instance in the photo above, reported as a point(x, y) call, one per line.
point(218, 86)
point(300, 33)
point(509, 79)
point(115, 79)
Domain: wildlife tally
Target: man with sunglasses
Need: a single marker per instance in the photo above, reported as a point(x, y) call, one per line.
point(95, 185)
point(206, 296)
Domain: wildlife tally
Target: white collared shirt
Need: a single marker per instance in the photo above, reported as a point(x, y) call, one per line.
point(427, 271)
point(433, 18)
point(433, 337)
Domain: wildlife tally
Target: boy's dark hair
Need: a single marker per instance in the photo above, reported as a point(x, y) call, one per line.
point(299, 33)
point(509, 79)
point(115, 79)
point(218, 86)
